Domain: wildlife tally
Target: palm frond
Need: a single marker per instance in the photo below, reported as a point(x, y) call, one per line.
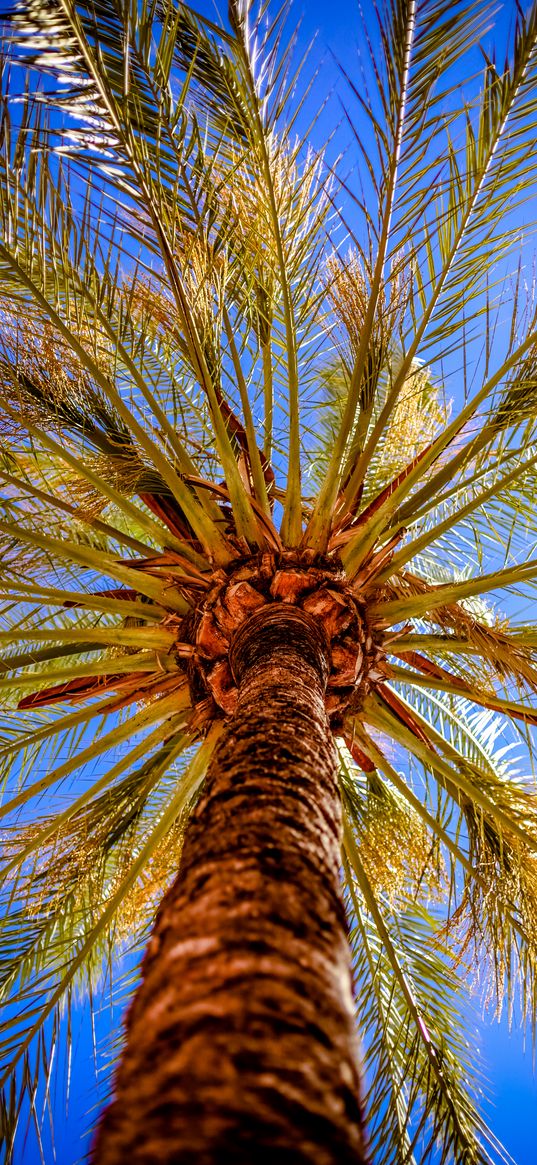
point(423, 1078)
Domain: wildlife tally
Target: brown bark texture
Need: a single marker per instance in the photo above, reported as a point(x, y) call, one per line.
point(241, 1045)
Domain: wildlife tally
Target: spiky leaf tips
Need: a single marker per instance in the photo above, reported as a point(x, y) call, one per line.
point(213, 404)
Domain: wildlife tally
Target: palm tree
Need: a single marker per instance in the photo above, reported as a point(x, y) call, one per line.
point(265, 645)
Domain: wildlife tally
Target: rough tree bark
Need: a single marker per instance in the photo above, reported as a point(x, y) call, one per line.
point(241, 1047)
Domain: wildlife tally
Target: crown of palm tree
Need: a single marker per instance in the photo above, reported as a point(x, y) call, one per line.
point(218, 393)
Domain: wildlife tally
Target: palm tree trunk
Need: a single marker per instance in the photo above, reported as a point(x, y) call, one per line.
point(241, 1047)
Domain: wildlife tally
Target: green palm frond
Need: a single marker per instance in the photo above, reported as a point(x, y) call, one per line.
point(408, 1055)
point(97, 856)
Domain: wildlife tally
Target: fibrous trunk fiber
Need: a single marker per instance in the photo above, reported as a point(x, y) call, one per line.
point(240, 1041)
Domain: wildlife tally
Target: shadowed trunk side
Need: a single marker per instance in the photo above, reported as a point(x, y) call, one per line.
point(241, 1044)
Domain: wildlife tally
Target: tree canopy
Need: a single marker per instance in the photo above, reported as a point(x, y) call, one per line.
point(225, 347)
